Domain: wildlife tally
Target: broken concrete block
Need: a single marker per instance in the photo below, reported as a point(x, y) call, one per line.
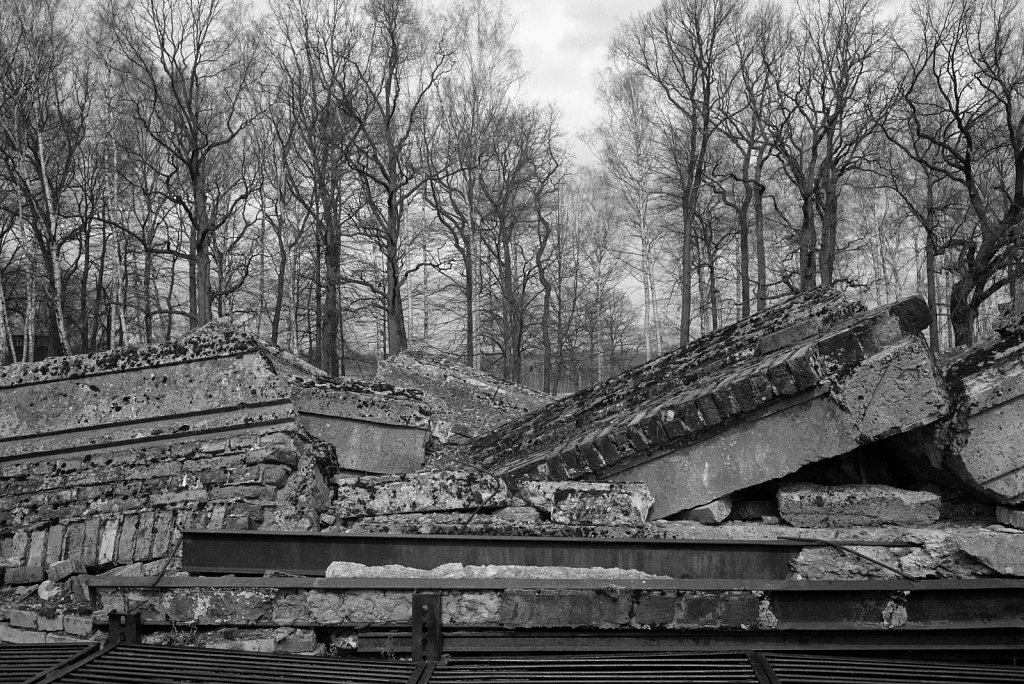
point(467, 400)
point(61, 570)
point(214, 378)
point(1011, 517)
point(590, 503)
point(977, 446)
point(710, 513)
point(809, 505)
point(375, 428)
point(444, 490)
point(811, 378)
point(1001, 551)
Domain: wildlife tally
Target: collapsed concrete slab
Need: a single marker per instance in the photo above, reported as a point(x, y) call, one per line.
point(107, 457)
point(464, 401)
point(981, 442)
point(807, 505)
point(811, 378)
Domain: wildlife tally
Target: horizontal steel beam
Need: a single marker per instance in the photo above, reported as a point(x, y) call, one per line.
point(297, 553)
point(810, 587)
point(952, 642)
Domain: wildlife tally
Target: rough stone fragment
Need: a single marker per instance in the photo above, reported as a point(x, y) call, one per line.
point(808, 505)
point(24, 619)
point(590, 503)
point(10, 635)
point(61, 570)
point(50, 591)
point(464, 401)
point(50, 624)
point(458, 570)
point(29, 574)
point(710, 513)
point(80, 625)
point(567, 608)
point(732, 610)
point(1001, 551)
point(447, 490)
point(1011, 517)
point(358, 607)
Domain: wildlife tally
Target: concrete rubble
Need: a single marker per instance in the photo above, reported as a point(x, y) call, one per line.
point(814, 420)
point(464, 401)
point(732, 409)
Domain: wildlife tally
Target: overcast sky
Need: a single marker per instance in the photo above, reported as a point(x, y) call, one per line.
point(564, 42)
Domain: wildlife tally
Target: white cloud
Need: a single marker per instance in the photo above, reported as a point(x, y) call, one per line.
point(564, 43)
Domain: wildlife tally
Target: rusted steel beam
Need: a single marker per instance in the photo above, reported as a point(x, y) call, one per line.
point(954, 642)
point(255, 552)
point(500, 583)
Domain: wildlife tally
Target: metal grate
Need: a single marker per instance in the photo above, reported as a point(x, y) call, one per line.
point(708, 668)
point(790, 668)
point(22, 662)
point(135, 664)
point(145, 664)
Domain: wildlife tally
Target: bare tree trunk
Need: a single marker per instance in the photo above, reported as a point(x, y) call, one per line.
point(332, 305)
point(808, 245)
point(762, 263)
point(6, 339)
point(685, 276)
point(53, 265)
point(930, 270)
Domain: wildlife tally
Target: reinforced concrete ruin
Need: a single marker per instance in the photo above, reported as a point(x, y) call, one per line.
point(809, 471)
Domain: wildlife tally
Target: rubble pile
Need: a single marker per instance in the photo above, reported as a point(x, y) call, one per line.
point(815, 420)
point(733, 409)
point(464, 401)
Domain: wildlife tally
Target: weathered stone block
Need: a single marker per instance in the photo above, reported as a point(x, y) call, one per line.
point(61, 570)
point(1001, 551)
point(807, 505)
point(54, 544)
point(725, 610)
point(37, 548)
point(603, 609)
point(218, 606)
point(10, 635)
point(50, 624)
point(1011, 517)
point(471, 608)
point(298, 641)
point(24, 619)
point(654, 610)
point(80, 625)
point(357, 607)
point(29, 574)
point(418, 492)
point(590, 503)
point(710, 513)
point(369, 446)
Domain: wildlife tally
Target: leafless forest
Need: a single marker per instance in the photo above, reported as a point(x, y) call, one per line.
point(351, 178)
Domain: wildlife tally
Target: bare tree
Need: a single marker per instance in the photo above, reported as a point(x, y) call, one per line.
point(385, 91)
point(482, 83)
point(188, 68)
point(963, 94)
point(680, 46)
